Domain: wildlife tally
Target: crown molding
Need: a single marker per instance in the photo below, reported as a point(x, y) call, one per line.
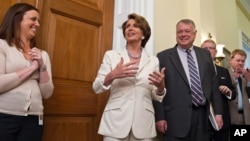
point(245, 7)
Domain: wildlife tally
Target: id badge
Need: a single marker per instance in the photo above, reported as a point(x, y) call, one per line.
point(40, 119)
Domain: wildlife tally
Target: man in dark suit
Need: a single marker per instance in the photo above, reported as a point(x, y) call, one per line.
point(227, 92)
point(179, 117)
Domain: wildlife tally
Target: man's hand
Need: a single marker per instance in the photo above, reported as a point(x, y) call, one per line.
point(219, 121)
point(225, 90)
point(161, 126)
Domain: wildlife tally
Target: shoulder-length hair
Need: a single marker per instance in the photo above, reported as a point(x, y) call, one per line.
point(142, 24)
point(10, 26)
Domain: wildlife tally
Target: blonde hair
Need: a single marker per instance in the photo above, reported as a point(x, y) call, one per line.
point(209, 41)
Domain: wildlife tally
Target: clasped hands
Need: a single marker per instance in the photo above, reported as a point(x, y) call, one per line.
point(36, 57)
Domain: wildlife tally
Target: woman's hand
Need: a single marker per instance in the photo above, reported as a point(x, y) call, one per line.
point(157, 79)
point(125, 70)
point(34, 64)
point(121, 70)
point(35, 54)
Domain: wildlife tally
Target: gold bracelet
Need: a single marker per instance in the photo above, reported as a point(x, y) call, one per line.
point(43, 68)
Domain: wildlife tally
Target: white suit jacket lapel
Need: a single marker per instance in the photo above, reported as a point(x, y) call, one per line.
point(145, 58)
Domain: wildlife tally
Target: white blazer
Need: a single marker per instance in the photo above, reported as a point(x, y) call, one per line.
point(130, 102)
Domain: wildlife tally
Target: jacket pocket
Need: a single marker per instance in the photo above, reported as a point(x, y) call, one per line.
point(149, 107)
point(113, 105)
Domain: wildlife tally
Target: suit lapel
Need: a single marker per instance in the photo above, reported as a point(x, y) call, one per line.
point(232, 76)
point(200, 62)
point(174, 57)
point(145, 58)
point(124, 54)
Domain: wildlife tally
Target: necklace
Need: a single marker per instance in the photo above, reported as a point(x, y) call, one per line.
point(133, 56)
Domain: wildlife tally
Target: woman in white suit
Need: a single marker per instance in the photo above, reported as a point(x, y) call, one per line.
point(134, 80)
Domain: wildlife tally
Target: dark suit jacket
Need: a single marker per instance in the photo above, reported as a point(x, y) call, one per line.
point(176, 107)
point(225, 79)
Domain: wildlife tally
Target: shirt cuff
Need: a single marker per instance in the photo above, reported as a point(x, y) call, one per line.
point(229, 96)
point(248, 84)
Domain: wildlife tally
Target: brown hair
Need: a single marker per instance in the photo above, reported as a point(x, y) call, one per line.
point(142, 24)
point(238, 51)
point(10, 26)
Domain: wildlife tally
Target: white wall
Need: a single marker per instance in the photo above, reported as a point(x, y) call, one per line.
point(222, 18)
point(219, 17)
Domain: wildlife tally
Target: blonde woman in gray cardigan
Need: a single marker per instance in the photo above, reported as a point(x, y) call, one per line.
point(25, 75)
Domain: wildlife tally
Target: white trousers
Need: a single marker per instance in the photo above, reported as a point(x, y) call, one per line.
point(130, 137)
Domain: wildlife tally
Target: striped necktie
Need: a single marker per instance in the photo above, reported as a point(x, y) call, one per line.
point(196, 89)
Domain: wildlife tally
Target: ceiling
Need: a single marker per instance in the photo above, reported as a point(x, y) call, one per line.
point(245, 7)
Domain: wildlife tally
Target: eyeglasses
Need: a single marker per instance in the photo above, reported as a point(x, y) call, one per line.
point(209, 48)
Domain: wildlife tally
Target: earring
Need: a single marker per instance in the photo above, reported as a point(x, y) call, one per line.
point(142, 37)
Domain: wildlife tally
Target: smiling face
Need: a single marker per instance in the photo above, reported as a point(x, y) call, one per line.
point(185, 34)
point(132, 32)
point(29, 24)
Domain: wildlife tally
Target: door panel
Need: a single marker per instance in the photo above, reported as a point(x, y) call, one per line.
point(70, 128)
point(76, 34)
